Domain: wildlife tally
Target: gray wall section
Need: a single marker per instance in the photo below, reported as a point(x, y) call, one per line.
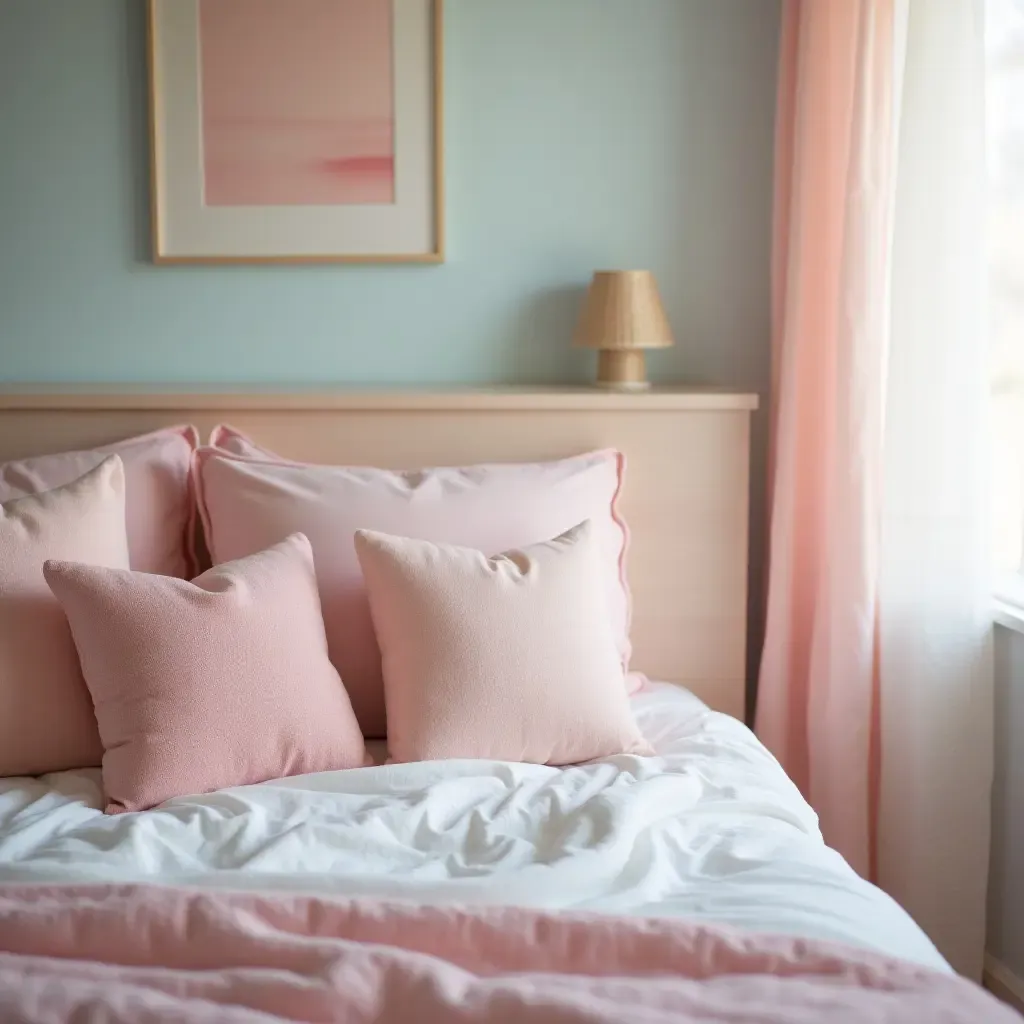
point(1006, 883)
point(580, 134)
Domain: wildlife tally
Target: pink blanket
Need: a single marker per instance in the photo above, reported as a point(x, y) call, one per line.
point(148, 953)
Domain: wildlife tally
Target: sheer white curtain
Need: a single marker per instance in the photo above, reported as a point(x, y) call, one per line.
point(1004, 45)
point(935, 678)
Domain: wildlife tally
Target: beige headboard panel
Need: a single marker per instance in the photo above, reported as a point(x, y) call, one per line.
point(685, 497)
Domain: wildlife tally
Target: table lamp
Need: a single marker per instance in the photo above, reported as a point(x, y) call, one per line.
point(623, 315)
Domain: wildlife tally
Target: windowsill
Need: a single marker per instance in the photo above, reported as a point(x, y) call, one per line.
point(1008, 602)
point(1009, 616)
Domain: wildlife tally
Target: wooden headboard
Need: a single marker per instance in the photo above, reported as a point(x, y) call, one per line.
point(685, 497)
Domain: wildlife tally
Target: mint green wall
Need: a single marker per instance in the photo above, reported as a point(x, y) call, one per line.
point(580, 133)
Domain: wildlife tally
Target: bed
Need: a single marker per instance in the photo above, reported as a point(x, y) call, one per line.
point(709, 831)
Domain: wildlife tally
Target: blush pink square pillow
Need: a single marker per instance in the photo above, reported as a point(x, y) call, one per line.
point(223, 681)
point(508, 658)
point(46, 718)
point(159, 504)
point(247, 502)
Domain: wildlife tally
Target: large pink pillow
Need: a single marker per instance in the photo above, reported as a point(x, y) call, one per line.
point(508, 658)
point(229, 439)
point(223, 681)
point(159, 503)
point(246, 503)
point(46, 719)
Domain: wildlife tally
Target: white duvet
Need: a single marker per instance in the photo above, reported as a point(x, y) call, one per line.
point(711, 828)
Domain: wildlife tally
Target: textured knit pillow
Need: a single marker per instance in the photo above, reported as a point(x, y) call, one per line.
point(159, 505)
point(223, 681)
point(247, 502)
point(509, 658)
point(46, 719)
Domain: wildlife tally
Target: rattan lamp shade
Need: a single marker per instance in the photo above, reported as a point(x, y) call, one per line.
point(623, 315)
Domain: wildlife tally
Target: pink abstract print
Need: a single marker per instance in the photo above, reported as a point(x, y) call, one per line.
point(297, 102)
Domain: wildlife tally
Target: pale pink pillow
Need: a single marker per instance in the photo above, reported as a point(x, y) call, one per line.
point(46, 719)
point(223, 681)
point(160, 507)
point(246, 503)
point(508, 658)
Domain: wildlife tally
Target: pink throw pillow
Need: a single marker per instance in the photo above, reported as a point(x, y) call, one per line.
point(509, 658)
point(223, 681)
point(159, 504)
point(46, 718)
point(247, 502)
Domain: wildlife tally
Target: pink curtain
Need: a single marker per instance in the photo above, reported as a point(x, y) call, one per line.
point(835, 182)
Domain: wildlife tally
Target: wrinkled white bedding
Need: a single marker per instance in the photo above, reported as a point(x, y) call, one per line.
point(710, 828)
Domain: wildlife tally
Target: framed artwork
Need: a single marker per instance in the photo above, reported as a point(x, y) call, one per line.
point(290, 131)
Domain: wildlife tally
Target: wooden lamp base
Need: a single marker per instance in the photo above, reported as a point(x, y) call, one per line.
point(622, 369)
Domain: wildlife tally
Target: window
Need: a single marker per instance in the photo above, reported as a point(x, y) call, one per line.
point(1005, 126)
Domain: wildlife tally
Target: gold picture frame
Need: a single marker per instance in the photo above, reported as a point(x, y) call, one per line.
point(188, 230)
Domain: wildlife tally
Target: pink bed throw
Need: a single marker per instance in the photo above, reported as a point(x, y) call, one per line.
point(147, 953)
